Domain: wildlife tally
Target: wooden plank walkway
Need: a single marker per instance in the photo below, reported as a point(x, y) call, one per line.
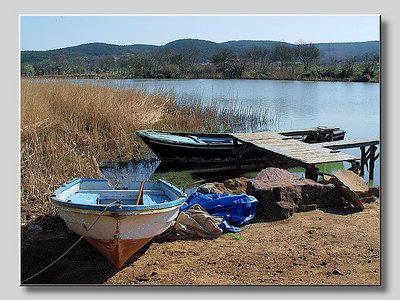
point(305, 154)
point(353, 143)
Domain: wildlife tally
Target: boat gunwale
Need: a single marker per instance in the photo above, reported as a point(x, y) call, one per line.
point(117, 207)
point(146, 134)
point(114, 211)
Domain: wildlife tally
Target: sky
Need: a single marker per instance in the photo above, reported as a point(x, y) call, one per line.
point(46, 32)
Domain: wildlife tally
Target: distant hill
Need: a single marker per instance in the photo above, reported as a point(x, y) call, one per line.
point(205, 49)
point(342, 51)
point(90, 50)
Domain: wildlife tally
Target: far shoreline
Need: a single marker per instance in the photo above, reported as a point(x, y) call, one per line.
point(110, 76)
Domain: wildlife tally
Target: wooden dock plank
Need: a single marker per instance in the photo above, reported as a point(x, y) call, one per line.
point(353, 143)
point(304, 153)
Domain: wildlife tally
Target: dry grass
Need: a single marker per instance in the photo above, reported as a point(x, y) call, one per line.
point(63, 125)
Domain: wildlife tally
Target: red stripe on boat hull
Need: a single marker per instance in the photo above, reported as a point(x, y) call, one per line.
point(118, 251)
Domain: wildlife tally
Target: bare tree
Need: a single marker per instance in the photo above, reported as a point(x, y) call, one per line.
point(284, 54)
point(260, 59)
point(222, 58)
point(308, 54)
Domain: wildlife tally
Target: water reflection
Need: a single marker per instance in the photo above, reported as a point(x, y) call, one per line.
point(189, 177)
point(121, 174)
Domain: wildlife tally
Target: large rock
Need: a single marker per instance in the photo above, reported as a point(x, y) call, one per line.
point(275, 175)
point(209, 188)
point(373, 191)
point(353, 181)
point(347, 192)
point(356, 184)
point(281, 193)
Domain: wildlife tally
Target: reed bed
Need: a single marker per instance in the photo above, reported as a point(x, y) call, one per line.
point(64, 125)
point(219, 116)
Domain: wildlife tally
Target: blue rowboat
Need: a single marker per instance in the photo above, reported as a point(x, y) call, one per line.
point(117, 221)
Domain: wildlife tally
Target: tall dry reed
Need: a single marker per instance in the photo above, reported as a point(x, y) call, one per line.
point(64, 125)
point(218, 116)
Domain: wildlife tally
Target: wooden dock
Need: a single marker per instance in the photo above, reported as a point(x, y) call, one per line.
point(303, 154)
point(368, 155)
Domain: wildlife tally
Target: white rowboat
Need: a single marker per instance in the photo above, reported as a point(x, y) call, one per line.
point(111, 220)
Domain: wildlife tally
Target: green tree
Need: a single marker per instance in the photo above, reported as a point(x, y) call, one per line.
point(348, 68)
point(28, 70)
point(105, 64)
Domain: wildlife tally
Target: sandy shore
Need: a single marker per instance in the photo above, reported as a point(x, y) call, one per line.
point(335, 247)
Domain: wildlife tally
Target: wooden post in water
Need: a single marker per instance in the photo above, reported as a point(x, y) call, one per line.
point(363, 160)
point(311, 172)
point(372, 159)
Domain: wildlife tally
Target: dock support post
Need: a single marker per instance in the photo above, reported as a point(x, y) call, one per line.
point(363, 160)
point(311, 172)
point(372, 159)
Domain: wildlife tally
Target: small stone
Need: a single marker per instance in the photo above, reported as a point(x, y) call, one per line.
point(369, 199)
point(337, 272)
point(143, 277)
point(310, 207)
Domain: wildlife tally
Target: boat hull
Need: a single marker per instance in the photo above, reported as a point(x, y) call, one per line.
point(118, 236)
point(187, 153)
point(116, 250)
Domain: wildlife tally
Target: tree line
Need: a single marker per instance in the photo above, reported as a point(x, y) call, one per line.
point(282, 61)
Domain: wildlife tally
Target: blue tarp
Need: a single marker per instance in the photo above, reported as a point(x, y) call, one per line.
point(236, 210)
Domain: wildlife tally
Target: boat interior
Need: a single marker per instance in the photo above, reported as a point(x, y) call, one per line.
point(127, 197)
point(193, 139)
point(99, 192)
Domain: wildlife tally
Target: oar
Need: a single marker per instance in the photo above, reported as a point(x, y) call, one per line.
point(140, 195)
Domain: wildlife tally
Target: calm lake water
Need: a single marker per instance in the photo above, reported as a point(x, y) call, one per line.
point(352, 106)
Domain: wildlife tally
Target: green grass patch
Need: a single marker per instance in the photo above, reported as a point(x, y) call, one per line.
point(235, 236)
point(330, 168)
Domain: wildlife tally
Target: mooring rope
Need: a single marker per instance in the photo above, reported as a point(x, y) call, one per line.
point(70, 248)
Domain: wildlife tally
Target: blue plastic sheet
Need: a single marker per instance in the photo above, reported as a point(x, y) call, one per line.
point(236, 210)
